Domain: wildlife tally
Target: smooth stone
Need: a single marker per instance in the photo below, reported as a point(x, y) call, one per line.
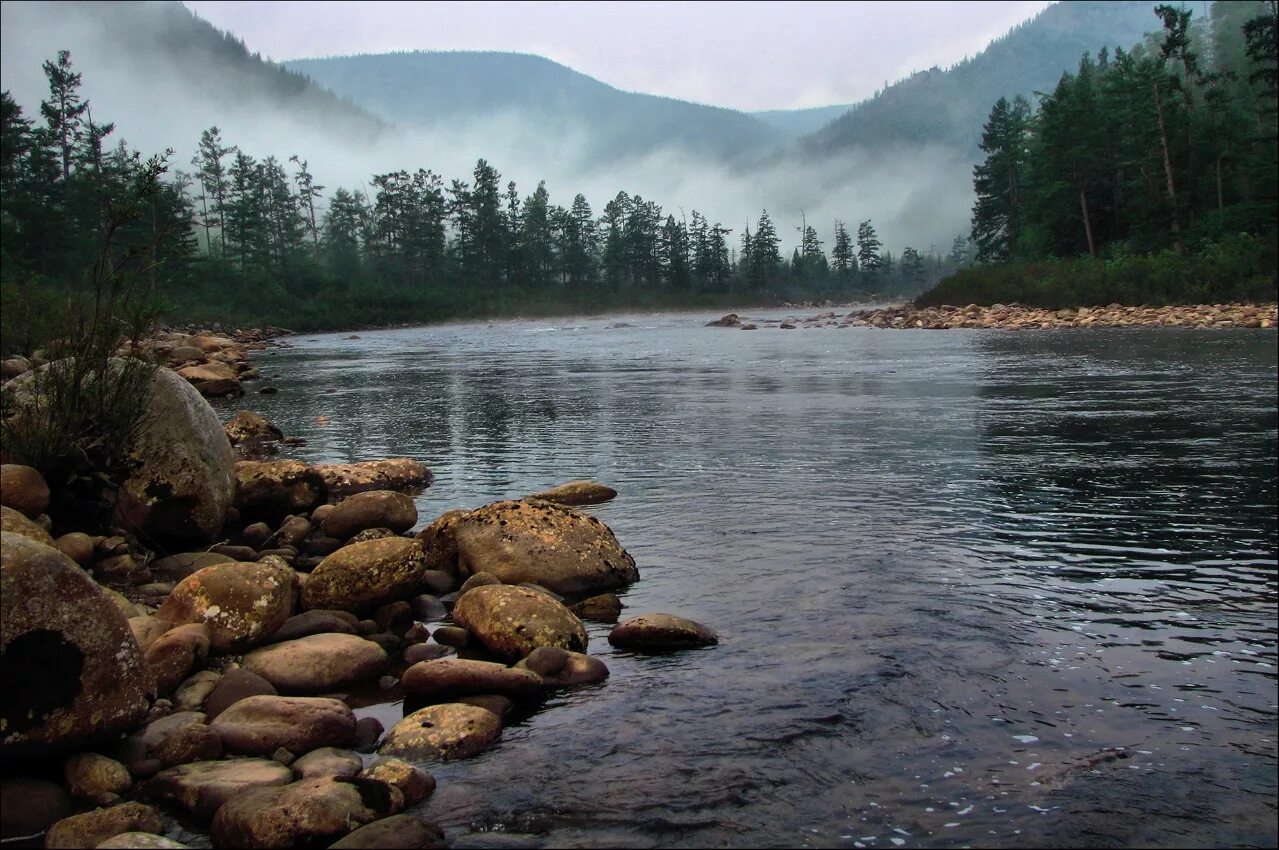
point(200, 788)
point(513, 621)
point(439, 542)
point(328, 761)
point(427, 652)
point(364, 576)
point(438, 582)
point(445, 679)
point(179, 738)
point(370, 509)
point(576, 493)
point(234, 686)
point(414, 783)
point(192, 693)
point(173, 654)
point(317, 663)
point(77, 546)
point(398, 832)
point(427, 608)
point(452, 636)
point(561, 668)
point(604, 608)
point(368, 731)
point(270, 490)
point(89, 829)
point(260, 725)
point(305, 813)
point(242, 603)
point(140, 841)
point(397, 473)
point(30, 806)
point(660, 632)
point(394, 617)
point(552, 545)
point(497, 704)
point(179, 566)
point(442, 732)
point(96, 778)
point(15, 522)
point(23, 489)
point(319, 621)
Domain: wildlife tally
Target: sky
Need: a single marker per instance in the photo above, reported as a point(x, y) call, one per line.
point(743, 55)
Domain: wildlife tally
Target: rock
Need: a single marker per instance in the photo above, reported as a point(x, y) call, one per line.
point(371, 509)
point(200, 788)
point(496, 704)
point(560, 668)
point(83, 675)
point(439, 542)
point(344, 479)
point(660, 632)
point(12, 367)
point(317, 663)
point(442, 732)
point(140, 841)
point(77, 546)
point(212, 380)
point(182, 737)
point(255, 535)
point(270, 490)
point(478, 580)
point(371, 534)
point(414, 783)
point(555, 546)
point(15, 522)
point(23, 489)
point(293, 531)
point(247, 427)
point(394, 617)
point(730, 321)
point(427, 652)
point(172, 655)
point(90, 829)
point(309, 812)
point(146, 630)
point(398, 832)
point(328, 761)
point(577, 493)
point(96, 778)
point(428, 608)
point(390, 643)
point(192, 693)
point(452, 636)
point(178, 567)
point(604, 608)
point(445, 679)
point(243, 554)
point(28, 806)
point(184, 353)
point(364, 576)
point(242, 604)
point(234, 686)
point(321, 545)
point(513, 621)
point(368, 731)
point(259, 725)
point(319, 621)
point(121, 570)
point(122, 604)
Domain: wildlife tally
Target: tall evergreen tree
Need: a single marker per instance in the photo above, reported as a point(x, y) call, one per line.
point(996, 222)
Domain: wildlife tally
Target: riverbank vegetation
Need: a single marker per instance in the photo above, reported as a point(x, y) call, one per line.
point(1148, 176)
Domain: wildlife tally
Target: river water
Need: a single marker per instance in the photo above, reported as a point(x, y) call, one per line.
point(973, 588)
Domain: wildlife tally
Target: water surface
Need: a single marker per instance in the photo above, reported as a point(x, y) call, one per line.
point(973, 587)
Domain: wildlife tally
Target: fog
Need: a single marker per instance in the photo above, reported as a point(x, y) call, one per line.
point(164, 97)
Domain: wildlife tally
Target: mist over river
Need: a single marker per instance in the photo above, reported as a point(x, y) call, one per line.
point(972, 587)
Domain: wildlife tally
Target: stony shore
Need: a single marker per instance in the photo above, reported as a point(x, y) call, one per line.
point(1021, 317)
point(191, 666)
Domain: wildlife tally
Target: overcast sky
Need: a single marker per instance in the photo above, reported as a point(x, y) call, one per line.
point(745, 55)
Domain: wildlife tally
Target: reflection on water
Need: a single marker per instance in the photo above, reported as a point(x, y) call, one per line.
point(972, 587)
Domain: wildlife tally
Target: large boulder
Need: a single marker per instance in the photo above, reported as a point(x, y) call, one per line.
point(269, 490)
point(555, 546)
point(362, 577)
point(317, 663)
point(370, 509)
point(23, 489)
point(214, 380)
point(397, 473)
point(200, 788)
point(513, 621)
point(439, 541)
point(183, 475)
point(446, 679)
point(72, 668)
point(442, 732)
point(15, 522)
point(242, 604)
point(260, 725)
point(307, 813)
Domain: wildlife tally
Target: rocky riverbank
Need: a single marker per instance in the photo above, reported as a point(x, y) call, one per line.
point(191, 667)
point(1021, 317)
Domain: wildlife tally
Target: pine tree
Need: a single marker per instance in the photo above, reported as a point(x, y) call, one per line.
point(996, 221)
point(765, 258)
point(868, 245)
point(63, 110)
point(843, 260)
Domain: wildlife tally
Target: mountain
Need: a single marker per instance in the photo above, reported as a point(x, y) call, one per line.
point(163, 74)
point(436, 89)
point(948, 107)
point(801, 122)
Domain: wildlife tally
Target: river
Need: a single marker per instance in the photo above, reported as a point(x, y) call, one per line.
point(972, 587)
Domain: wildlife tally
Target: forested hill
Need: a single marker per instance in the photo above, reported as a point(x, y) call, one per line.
point(947, 107)
point(440, 88)
point(185, 67)
point(801, 122)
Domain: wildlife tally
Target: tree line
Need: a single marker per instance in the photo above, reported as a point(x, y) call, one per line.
point(1167, 148)
point(243, 239)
